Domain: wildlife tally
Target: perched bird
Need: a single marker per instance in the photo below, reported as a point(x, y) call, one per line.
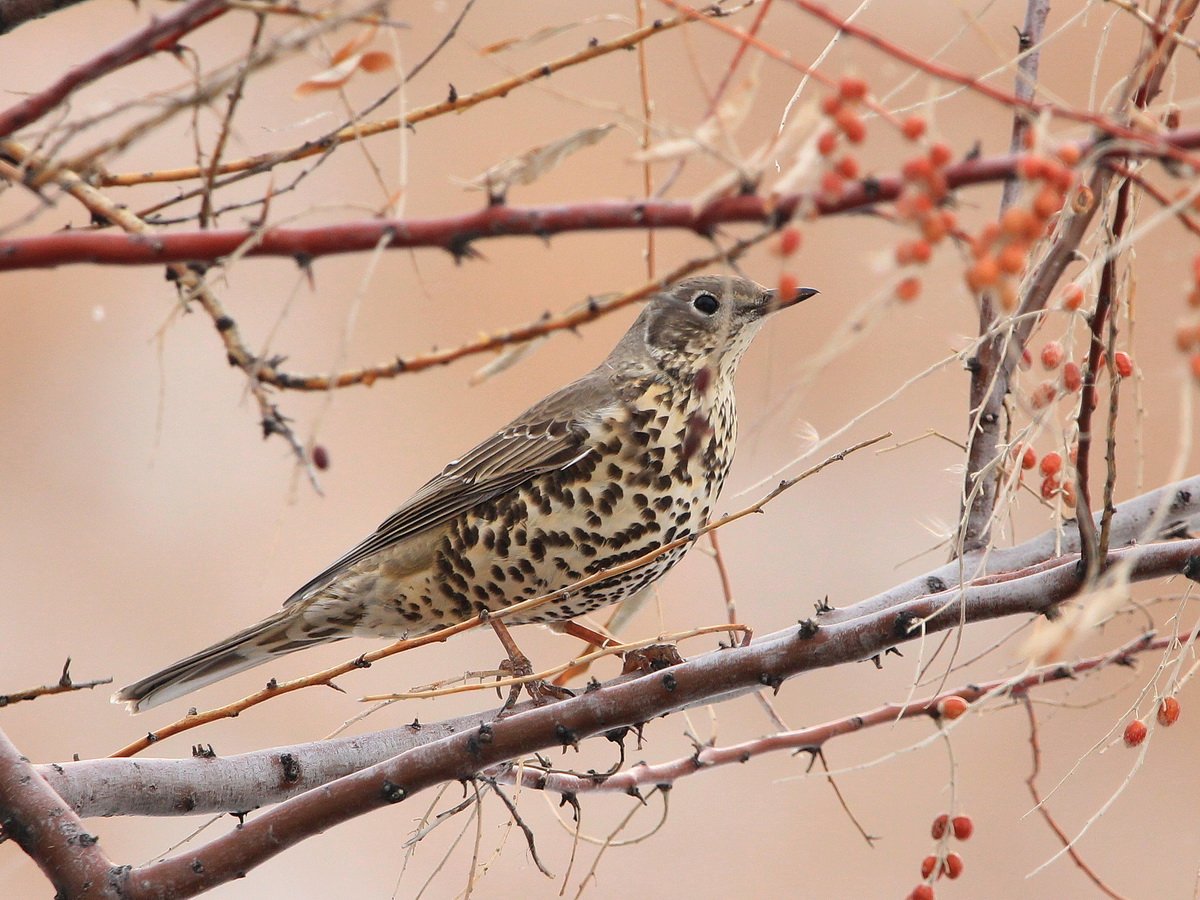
point(610, 467)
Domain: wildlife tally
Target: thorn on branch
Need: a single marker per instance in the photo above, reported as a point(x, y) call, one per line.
point(201, 751)
point(808, 629)
point(566, 737)
point(1191, 568)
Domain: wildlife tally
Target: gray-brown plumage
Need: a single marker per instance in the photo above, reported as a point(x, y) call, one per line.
point(610, 467)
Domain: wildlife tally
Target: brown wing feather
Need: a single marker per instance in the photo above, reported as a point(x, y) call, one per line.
point(547, 437)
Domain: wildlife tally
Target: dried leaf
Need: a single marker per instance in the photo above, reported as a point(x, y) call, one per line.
point(505, 359)
point(376, 61)
point(355, 44)
point(543, 34)
point(331, 78)
point(535, 163)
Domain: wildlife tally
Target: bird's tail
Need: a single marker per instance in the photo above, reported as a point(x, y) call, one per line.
point(274, 636)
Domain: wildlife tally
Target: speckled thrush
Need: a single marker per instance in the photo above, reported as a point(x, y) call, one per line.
point(610, 467)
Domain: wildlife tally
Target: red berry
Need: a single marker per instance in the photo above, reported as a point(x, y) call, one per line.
point(1168, 711)
point(921, 892)
point(832, 184)
point(1068, 495)
point(1194, 362)
point(963, 826)
point(953, 866)
point(788, 285)
point(913, 127)
point(827, 143)
point(847, 167)
point(853, 88)
point(1072, 377)
point(1029, 459)
point(983, 274)
point(831, 104)
point(940, 824)
point(851, 125)
point(1031, 167)
point(951, 708)
point(1043, 395)
point(789, 241)
point(1123, 364)
point(1052, 354)
point(1051, 463)
point(320, 457)
point(1135, 733)
point(916, 169)
point(908, 290)
point(940, 155)
point(928, 864)
point(1050, 487)
point(1072, 296)
point(1069, 154)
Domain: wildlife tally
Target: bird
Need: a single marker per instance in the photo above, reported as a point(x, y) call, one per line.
point(612, 466)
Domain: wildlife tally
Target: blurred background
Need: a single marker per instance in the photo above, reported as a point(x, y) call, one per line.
point(143, 516)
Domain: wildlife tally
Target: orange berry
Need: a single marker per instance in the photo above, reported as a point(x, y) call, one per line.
point(1186, 337)
point(913, 127)
point(928, 864)
point(940, 824)
point(1072, 296)
point(1072, 377)
point(1193, 297)
point(952, 708)
point(1015, 221)
point(1043, 395)
point(916, 169)
point(831, 184)
point(851, 125)
point(853, 88)
point(1194, 361)
point(908, 290)
point(1047, 202)
point(1196, 268)
point(1052, 354)
point(847, 167)
point(1123, 364)
point(827, 143)
point(1135, 733)
point(940, 155)
point(789, 241)
point(963, 827)
point(933, 228)
point(984, 273)
point(953, 866)
point(1049, 487)
point(1012, 259)
point(1028, 458)
point(921, 892)
point(1026, 359)
point(1068, 495)
point(788, 285)
point(1168, 711)
point(1069, 154)
point(830, 104)
point(1009, 297)
point(1031, 167)
point(1051, 463)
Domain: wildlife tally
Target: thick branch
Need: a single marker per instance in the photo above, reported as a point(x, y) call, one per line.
point(37, 819)
point(456, 233)
point(14, 13)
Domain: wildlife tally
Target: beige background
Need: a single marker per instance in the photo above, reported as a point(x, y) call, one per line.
point(143, 516)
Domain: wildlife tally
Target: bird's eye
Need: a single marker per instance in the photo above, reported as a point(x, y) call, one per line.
point(706, 303)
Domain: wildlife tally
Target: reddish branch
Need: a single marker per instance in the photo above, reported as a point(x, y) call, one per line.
point(456, 234)
point(44, 827)
point(159, 34)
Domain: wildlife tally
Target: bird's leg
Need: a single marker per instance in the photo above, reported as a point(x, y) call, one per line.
point(518, 665)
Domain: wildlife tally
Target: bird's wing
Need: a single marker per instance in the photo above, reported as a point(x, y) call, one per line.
point(547, 438)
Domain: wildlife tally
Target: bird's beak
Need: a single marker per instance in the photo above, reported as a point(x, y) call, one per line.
point(774, 301)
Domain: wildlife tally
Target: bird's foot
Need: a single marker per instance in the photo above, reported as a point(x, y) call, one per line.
point(651, 659)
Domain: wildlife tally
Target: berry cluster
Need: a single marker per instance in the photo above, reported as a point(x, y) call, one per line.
point(950, 863)
point(1002, 249)
point(1168, 715)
